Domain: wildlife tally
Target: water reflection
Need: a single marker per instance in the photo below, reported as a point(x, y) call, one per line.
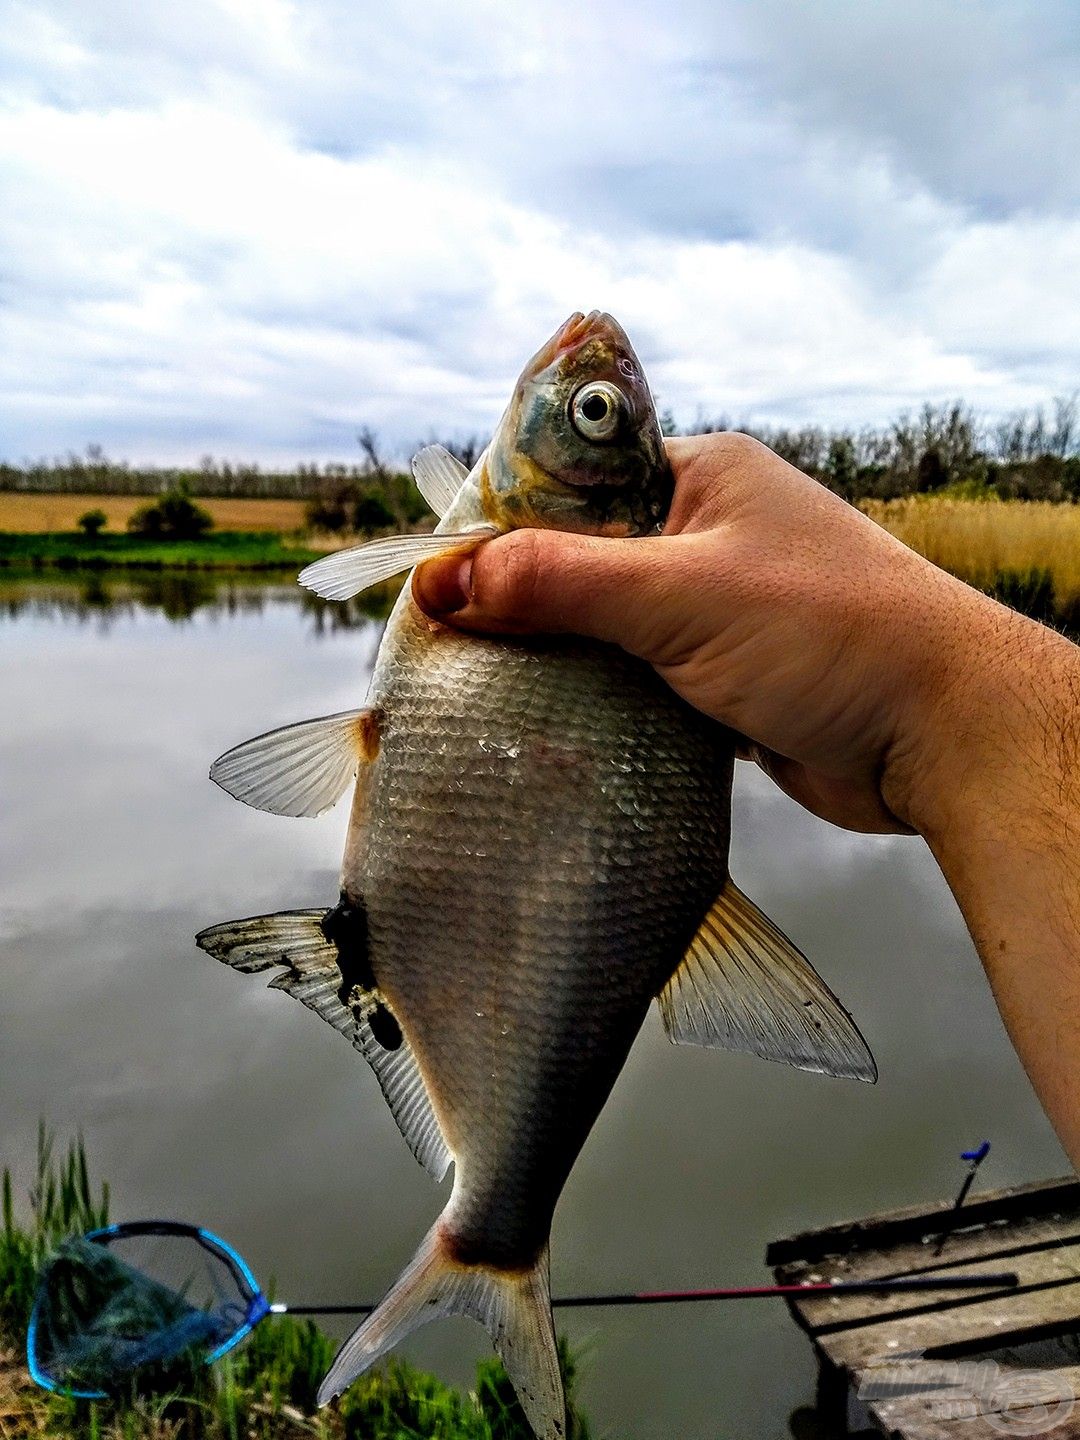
point(101, 596)
point(203, 1095)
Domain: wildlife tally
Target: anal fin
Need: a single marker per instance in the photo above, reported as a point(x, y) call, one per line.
point(323, 953)
point(299, 769)
point(744, 986)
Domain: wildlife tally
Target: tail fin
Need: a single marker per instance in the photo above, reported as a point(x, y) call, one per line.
point(514, 1306)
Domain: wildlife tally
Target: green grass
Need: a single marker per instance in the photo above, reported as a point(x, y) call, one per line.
point(265, 1390)
point(61, 1204)
point(221, 550)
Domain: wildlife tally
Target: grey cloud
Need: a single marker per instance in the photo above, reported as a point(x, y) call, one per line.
point(981, 105)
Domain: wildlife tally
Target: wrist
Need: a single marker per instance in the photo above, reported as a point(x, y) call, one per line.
point(996, 709)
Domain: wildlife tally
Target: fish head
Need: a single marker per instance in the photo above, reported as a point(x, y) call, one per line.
point(580, 447)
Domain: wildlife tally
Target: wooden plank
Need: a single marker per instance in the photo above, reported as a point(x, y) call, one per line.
point(1031, 1229)
point(1049, 1266)
point(883, 1232)
point(1009, 1317)
point(1026, 1402)
point(911, 1420)
point(1006, 1244)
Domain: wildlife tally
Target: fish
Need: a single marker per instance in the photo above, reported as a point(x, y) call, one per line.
point(537, 849)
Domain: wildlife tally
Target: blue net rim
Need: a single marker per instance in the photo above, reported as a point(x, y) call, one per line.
point(257, 1304)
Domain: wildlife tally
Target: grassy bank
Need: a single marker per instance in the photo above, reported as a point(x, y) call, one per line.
point(265, 1390)
point(1025, 552)
point(220, 550)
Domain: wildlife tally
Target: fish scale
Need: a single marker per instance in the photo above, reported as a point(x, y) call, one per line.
point(559, 892)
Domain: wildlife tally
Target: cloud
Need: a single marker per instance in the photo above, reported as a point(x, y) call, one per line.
point(981, 109)
point(249, 226)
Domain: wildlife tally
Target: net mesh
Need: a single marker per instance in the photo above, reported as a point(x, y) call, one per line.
point(121, 1300)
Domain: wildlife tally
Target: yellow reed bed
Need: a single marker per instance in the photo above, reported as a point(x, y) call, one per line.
point(980, 539)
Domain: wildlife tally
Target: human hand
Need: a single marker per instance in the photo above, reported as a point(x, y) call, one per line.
point(880, 692)
point(769, 604)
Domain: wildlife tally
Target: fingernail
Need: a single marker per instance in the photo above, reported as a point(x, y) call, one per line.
point(443, 587)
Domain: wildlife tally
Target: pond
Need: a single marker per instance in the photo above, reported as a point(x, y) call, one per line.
point(204, 1096)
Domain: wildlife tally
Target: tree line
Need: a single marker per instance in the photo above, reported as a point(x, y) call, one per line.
point(1029, 455)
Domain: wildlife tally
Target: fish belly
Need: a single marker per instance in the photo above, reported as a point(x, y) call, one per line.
point(535, 845)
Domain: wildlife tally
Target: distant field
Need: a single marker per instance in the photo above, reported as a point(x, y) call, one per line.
point(980, 540)
point(24, 514)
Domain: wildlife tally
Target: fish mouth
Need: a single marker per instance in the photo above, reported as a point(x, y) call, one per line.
point(574, 332)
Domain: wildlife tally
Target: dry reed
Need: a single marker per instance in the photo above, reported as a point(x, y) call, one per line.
point(981, 540)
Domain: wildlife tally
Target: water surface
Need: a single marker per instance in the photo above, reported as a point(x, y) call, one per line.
point(204, 1096)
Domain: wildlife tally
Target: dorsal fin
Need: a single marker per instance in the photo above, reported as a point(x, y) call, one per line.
point(331, 977)
point(439, 476)
point(744, 986)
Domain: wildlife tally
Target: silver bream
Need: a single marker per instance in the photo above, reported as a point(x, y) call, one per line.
point(538, 847)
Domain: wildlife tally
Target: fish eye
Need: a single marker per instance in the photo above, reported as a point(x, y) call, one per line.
point(595, 410)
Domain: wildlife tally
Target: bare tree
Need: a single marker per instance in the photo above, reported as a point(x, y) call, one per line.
point(381, 480)
point(1065, 432)
point(468, 451)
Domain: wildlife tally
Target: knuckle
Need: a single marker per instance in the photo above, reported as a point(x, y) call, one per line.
point(735, 445)
point(710, 472)
point(510, 574)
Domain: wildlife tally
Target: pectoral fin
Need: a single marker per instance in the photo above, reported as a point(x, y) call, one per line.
point(438, 477)
point(345, 573)
point(324, 955)
point(300, 769)
point(744, 986)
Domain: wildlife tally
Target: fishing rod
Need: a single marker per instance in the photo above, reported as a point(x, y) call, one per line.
point(1001, 1280)
point(142, 1293)
point(995, 1280)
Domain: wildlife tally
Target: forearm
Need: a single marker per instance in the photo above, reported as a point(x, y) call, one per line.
point(999, 805)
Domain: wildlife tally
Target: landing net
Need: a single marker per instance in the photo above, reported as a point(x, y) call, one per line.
point(134, 1296)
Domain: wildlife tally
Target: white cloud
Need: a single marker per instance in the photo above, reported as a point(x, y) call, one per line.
point(249, 226)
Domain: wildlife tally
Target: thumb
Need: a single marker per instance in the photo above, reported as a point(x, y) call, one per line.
point(550, 581)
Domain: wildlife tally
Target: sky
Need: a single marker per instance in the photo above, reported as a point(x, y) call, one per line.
point(249, 227)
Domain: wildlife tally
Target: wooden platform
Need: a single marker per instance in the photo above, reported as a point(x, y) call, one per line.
point(941, 1365)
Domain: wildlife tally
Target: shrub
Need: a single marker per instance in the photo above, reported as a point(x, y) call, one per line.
point(370, 513)
point(352, 505)
point(61, 1204)
point(331, 507)
point(264, 1391)
point(92, 522)
point(174, 517)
